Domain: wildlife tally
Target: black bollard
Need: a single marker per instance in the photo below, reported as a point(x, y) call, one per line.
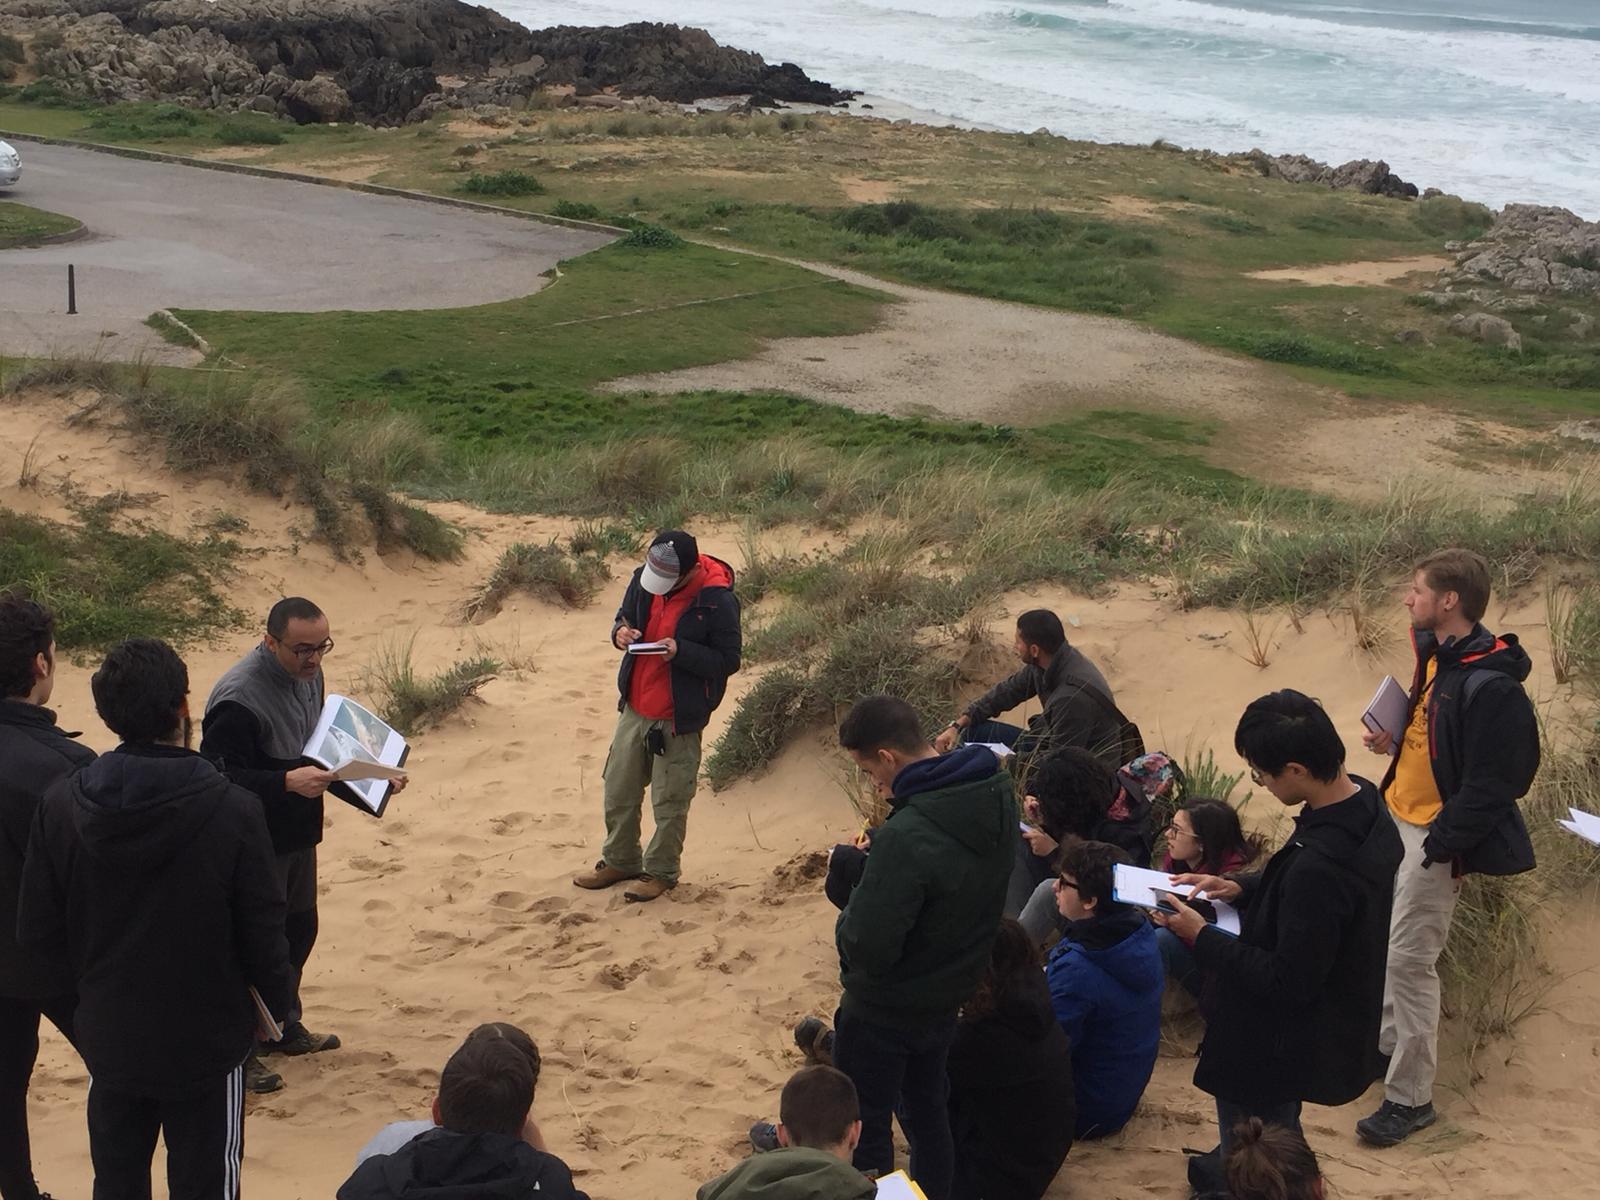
point(72, 290)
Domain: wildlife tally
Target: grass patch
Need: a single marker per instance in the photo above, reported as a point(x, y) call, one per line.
point(108, 576)
point(547, 572)
point(21, 225)
point(240, 132)
point(413, 702)
point(502, 183)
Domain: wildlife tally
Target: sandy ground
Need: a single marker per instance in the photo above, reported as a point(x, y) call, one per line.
point(1357, 274)
point(665, 1027)
point(166, 236)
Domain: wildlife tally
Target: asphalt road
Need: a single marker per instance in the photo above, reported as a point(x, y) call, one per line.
point(168, 236)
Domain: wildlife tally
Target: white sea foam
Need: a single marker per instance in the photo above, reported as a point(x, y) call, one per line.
point(1498, 100)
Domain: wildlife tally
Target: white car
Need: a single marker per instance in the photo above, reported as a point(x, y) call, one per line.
point(10, 165)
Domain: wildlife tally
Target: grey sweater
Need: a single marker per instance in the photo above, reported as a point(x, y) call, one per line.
point(1072, 716)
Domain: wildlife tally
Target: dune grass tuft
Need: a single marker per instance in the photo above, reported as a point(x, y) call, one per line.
point(412, 702)
point(547, 572)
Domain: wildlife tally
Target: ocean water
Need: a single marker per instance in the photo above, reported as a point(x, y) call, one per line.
point(1497, 100)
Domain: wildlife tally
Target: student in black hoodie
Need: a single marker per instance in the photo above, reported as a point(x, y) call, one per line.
point(153, 875)
point(483, 1144)
point(1293, 1012)
point(1011, 1102)
point(34, 754)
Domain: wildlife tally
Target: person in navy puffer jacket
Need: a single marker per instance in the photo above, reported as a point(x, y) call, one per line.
point(1106, 981)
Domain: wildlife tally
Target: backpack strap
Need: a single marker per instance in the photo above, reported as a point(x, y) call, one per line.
point(1128, 735)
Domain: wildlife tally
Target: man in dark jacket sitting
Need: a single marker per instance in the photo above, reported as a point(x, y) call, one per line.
point(915, 937)
point(1078, 706)
point(153, 875)
point(483, 1143)
point(34, 754)
point(1294, 1011)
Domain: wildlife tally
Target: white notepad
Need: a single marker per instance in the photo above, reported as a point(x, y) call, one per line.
point(1585, 825)
point(1142, 888)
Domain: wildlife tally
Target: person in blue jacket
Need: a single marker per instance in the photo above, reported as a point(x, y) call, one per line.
point(1106, 981)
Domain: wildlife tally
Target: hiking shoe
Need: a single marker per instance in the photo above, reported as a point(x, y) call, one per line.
point(764, 1135)
point(258, 1080)
point(1394, 1123)
point(815, 1040)
point(1207, 1179)
point(602, 877)
point(646, 887)
point(298, 1040)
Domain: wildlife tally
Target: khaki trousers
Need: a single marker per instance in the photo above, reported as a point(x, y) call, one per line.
point(1424, 902)
point(671, 777)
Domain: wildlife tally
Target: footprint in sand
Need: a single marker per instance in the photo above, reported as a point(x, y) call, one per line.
point(616, 975)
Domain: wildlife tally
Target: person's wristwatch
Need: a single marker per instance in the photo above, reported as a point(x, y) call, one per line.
point(956, 724)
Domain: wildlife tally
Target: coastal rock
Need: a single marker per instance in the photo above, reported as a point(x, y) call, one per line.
point(1366, 175)
point(669, 62)
point(1488, 329)
point(383, 62)
point(1533, 248)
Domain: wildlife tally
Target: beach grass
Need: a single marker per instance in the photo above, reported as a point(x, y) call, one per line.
point(412, 701)
point(21, 225)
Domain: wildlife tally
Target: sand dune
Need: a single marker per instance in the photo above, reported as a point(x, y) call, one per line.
point(665, 1027)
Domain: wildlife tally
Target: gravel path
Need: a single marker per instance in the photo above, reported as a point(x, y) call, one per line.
point(163, 235)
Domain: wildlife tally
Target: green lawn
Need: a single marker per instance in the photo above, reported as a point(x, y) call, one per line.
point(24, 226)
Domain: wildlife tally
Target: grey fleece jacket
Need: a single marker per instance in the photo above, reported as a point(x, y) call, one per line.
point(1071, 716)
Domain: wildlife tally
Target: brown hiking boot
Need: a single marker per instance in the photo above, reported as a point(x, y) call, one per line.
point(602, 877)
point(647, 887)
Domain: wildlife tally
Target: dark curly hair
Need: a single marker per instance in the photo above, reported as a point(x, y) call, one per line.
point(1074, 790)
point(26, 631)
point(140, 689)
point(1013, 966)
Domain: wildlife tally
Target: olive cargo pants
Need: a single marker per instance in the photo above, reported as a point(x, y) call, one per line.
point(671, 778)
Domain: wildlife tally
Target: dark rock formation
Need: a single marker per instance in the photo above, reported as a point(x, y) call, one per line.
point(378, 61)
point(670, 63)
point(1366, 175)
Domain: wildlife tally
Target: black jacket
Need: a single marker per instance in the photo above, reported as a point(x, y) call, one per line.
point(1072, 714)
point(916, 934)
point(231, 738)
point(441, 1165)
point(154, 874)
point(34, 754)
point(1011, 1107)
point(1296, 1001)
point(709, 645)
point(1483, 740)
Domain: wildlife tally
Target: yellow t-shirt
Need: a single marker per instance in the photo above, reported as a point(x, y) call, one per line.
point(1413, 794)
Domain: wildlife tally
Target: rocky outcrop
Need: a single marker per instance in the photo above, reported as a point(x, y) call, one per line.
point(1486, 328)
point(1369, 176)
point(1531, 249)
point(670, 63)
point(383, 62)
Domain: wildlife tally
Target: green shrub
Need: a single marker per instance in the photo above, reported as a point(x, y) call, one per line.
point(544, 571)
point(652, 237)
point(502, 183)
point(411, 702)
point(1452, 217)
point(48, 94)
point(1307, 350)
point(11, 49)
point(577, 210)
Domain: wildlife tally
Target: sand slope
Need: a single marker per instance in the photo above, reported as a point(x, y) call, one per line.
point(665, 1027)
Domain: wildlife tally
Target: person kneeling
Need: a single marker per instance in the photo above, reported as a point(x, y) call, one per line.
point(1106, 981)
point(819, 1124)
point(482, 1142)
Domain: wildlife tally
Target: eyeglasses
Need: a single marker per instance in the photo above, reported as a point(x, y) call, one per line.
point(1259, 777)
point(1179, 830)
point(1061, 882)
point(323, 648)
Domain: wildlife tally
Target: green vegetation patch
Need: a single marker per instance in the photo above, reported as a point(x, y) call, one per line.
point(502, 183)
point(108, 577)
point(21, 225)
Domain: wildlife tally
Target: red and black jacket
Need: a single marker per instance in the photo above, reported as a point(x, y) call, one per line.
point(709, 646)
point(1483, 743)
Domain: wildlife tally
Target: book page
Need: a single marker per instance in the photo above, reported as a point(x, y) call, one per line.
point(899, 1186)
point(348, 734)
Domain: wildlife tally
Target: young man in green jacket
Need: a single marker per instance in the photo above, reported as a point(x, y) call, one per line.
point(915, 936)
point(819, 1124)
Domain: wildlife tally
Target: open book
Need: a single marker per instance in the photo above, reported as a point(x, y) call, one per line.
point(267, 1027)
point(1149, 890)
point(1585, 825)
point(361, 750)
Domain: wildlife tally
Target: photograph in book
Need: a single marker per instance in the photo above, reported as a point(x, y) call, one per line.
point(361, 750)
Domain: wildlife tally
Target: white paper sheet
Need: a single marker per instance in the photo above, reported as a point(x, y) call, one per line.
point(1585, 825)
point(1139, 887)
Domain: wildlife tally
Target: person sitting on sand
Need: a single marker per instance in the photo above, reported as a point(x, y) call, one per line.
point(1203, 838)
point(1105, 983)
point(818, 1128)
point(1079, 709)
point(482, 1142)
point(1069, 793)
point(1011, 1097)
point(1272, 1162)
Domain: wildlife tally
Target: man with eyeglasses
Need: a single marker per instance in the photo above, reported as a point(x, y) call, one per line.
point(257, 721)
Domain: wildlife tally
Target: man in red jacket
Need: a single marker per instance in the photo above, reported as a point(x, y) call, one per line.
point(678, 630)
